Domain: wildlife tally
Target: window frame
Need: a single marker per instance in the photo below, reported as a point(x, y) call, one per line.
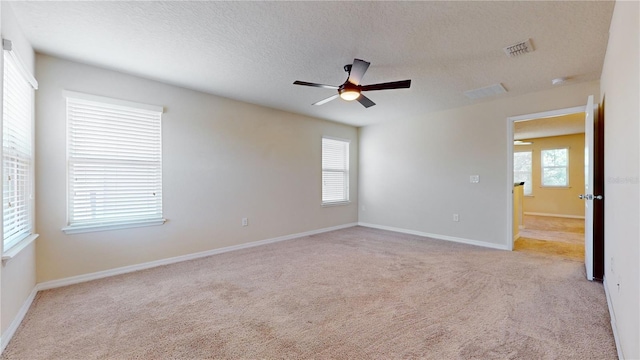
point(123, 223)
point(530, 172)
point(26, 81)
point(346, 172)
point(543, 167)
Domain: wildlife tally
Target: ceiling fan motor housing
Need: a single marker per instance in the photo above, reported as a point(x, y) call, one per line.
point(348, 86)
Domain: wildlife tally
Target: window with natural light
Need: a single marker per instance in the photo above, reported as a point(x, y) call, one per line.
point(522, 165)
point(555, 167)
point(114, 163)
point(17, 152)
point(335, 171)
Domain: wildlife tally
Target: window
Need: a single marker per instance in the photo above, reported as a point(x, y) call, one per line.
point(335, 171)
point(522, 170)
point(114, 163)
point(555, 165)
point(17, 150)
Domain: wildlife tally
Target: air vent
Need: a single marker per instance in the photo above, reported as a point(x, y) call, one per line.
point(486, 91)
point(520, 48)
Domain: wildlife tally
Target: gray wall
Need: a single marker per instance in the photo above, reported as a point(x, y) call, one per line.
point(620, 87)
point(222, 160)
point(414, 174)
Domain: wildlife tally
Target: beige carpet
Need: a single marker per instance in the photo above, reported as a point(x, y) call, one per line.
point(549, 228)
point(560, 250)
point(553, 236)
point(356, 293)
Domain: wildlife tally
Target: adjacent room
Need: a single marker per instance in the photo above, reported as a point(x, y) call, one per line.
point(549, 160)
point(251, 180)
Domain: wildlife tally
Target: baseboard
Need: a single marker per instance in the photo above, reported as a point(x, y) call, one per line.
point(516, 236)
point(612, 315)
point(437, 236)
point(554, 215)
point(131, 268)
point(11, 330)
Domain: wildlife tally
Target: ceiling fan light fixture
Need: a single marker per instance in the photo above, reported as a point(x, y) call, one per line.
point(349, 95)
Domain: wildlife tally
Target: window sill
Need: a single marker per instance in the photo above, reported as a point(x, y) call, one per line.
point(78, 229)
point(336, 203)
point(17, 248)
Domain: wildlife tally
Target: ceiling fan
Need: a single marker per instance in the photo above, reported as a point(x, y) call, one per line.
point(351, 89)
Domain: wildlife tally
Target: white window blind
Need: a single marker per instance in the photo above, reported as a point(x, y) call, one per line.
point(114, 162)
point(17, 152)
point(335, 171)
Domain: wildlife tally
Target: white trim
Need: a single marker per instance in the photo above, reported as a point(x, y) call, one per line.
point(612, 315)
point(436, 236)
point(11, 330)
point(111, 101)
point(548, 114)
point(336, 138)
point(335, 203)
point(106, 227)
point(554, 215)
point(17, 248)
point(510, 188)
point(131, 268)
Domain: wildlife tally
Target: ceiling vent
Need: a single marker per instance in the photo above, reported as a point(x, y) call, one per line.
point(520, 48)
point(486, 91)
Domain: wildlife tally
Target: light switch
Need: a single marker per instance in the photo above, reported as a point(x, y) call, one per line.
point(474, 179)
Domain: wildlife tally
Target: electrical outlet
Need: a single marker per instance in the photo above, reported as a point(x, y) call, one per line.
point(456, 217)
point(474, 179)
point(245, 222)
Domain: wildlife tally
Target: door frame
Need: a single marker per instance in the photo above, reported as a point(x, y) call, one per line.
point(510, 121)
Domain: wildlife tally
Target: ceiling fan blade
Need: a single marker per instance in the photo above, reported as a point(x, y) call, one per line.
point(326, 100)
point(315, 85)
point(365, 101)
point(404, 84)
point(358, 69)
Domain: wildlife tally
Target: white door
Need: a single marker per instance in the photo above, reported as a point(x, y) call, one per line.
point(588, 188)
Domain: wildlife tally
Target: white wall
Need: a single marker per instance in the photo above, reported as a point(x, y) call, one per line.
point(222, 160)
point(414, 173)
point(18, 275)
point(620, 88)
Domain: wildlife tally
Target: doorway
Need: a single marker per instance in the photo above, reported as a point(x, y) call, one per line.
point(546, 215)
point(549, 160)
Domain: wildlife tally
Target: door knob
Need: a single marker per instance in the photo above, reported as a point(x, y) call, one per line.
point(590, 197)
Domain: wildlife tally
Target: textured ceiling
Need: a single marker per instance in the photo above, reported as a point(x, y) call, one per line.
point(253, 51)
point(553, 126)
